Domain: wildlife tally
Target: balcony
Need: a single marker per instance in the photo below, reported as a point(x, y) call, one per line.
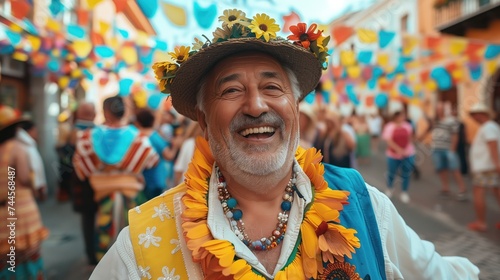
point(456, 16)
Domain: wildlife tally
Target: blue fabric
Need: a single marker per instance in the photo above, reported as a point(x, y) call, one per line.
point(156, 177)
point(406, 164)
point(445, 160)
point(359, 215)
point(111, 144)
point(29, 270)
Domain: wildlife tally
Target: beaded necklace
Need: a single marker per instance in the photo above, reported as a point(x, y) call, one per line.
point(235, 215)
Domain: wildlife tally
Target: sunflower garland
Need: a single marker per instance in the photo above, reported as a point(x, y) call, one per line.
point(322, 238)
point(235, 25)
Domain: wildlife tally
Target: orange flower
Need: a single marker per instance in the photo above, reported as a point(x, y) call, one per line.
point(300, 35)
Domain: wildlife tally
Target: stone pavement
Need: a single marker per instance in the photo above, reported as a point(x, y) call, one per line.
point(440, 221)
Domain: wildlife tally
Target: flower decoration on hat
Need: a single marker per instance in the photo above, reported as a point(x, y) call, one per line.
point(236, 25)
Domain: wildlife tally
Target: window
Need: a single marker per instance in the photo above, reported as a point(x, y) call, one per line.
point(404, 23)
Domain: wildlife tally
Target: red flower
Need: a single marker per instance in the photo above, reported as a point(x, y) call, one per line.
point(301, 36)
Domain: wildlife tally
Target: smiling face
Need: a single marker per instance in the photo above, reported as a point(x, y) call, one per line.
point(250, 115)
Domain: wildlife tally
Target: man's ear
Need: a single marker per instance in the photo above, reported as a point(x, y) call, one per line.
point(202, 122)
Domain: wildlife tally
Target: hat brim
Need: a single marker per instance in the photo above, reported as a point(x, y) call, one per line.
point(13, 122)
point(303, 63)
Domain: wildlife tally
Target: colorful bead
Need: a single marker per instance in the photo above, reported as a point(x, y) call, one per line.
point(231, 203)
point(286, 205)
point(237, 214)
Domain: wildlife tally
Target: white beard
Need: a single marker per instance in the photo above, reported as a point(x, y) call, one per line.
point(258, 171)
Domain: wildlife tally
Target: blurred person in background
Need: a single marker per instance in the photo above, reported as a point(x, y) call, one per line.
point(338, 143)
point(65, 153)
point(307, 125)
point(28, 135)
point(186, 152)
point(363, 138)
point(17, 196)
point(400, 153)
point(461, 142)
point(375, 124)
point(112, 157)
point(348, 127)
point(156, 177)
point(82, 194)
point(444, 152)
point(485, 163)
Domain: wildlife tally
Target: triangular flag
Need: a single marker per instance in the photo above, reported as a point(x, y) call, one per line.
point(457, 46)
point(103, 27)
point(365, 57)
point(92, 3)
point(383, 59)
point(148, 7)
point(433, 42)
point(123, 33)
point(491, 67)
point(366, 36)
point(14, 38)
point(205, 16)
point(176, 15)
point(129, 55)
point(120, 5)
point(475, 70)
point(473, 51)
point(347, 58)
point(342, 33)
point(104, 51)
point(76, 31)
point(55, 7)
point(82, 48)
point(409, 44)
point(20, 56)
point(53, 25)
point(82, 16)
point(385, 38)
point(406, 90)
point(353, 71)
point(35, 42)
point(492, 51)
point(19, 8)
point(292, 19)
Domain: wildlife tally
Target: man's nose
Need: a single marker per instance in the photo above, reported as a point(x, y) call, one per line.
point(255, 103)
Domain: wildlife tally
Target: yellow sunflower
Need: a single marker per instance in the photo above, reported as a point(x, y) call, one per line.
point(233, 16)
point(180, 54)
point(263, 25)
point(164, 74)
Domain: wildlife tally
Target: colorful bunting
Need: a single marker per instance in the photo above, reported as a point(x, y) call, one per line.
point(125, 86)
point(367, 36)
point(20, 8)
point(104, 51)
point(120, 5)
point(475, 70)
point(385, 38)
point(442, 78)
point(92, 3)
point(365, 57)
point(155, 100)
point(347, 58)
point(76, 31)
point(342, 33)
point(492, 51)
point(148, 7)
point(177, 15)
point(55, 7)
point(205, 16)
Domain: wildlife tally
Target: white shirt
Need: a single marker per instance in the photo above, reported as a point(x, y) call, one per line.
point(375, 125)
point(421, 262)
point(185, 156)
point(481, 159)
point(36, 163)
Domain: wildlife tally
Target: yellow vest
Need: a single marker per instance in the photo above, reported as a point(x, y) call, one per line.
point(155, 238)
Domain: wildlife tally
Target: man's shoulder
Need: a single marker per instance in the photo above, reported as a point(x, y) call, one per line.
point(347, 179)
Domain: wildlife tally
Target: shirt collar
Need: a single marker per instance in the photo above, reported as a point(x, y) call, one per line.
point(220, 228)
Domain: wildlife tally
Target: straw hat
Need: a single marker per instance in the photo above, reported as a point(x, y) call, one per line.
point(10, 117)
point(480, 108)
point(305, 58)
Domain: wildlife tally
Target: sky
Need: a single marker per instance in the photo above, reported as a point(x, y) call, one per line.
point(317, 11)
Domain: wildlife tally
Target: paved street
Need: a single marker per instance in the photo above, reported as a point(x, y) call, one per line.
point(442, 221)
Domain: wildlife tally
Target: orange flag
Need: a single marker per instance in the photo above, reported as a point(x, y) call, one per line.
point(20, 8)
point(342, 33)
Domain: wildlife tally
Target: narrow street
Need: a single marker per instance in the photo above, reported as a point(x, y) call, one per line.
point(442, 221)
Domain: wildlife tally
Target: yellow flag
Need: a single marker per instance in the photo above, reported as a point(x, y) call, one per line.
point(63, 82)
point(91, 3)
point(76, 73)
point(20, 56)
point(103, 27)
point(53, 25)
point(457, 46)
point(35, 42)
point(458, 74)
point(129, 55)
point(409, 44)
point(383, 59)
point(347, 58)
point(82, 48)
point(142, 38)
point(327, 85)
point(176, 14)
point(367, 36)
point(430, 85)
point(491, 66)
point(354, 71)
point(16, 28)
point(141, 99)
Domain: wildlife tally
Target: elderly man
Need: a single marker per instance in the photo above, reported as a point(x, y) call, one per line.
point(485, 163)
point(254, 205)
